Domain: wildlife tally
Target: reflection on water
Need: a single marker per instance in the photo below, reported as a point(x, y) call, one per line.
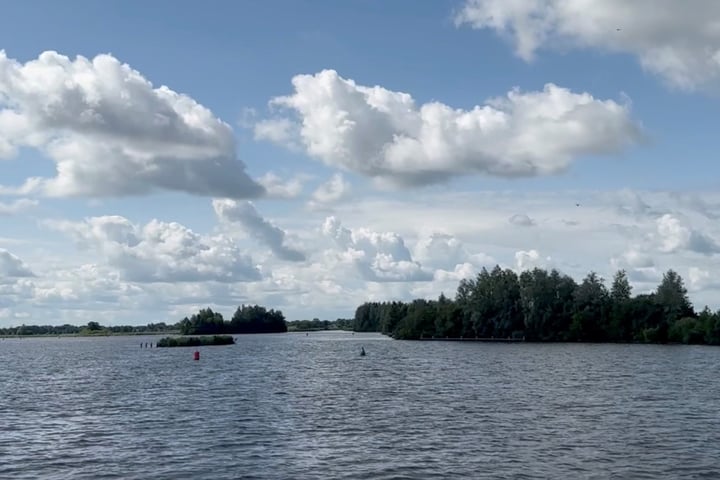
point(294, 407)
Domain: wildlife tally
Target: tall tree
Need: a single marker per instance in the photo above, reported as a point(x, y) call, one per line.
point(672, 297)
point(591, 308)
point(620, 327)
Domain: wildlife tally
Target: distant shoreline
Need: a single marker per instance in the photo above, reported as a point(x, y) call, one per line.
point(109, 334)
point(473, 339)
point(150, 334)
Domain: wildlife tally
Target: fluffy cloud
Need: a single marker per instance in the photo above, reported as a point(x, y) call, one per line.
point(383, 134)
point(445, 252)
point(245, 214)
point(87, 286)
point(421, 245)
point(278, 130)
point(527, 260)
point(634, 258)
point(640, 267)
point(379, 256)
point(276, 187)
point(110, 132)
point(674, 236)
point(437, 258)
point(330, 192)
point(700, 279)
point(12, 267)
point(681, 43)
point(161, 252)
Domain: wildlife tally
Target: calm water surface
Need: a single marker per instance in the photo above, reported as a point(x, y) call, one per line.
point(302, 407)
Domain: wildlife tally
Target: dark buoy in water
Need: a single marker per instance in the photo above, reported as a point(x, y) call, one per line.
point(196, 355)
point(362, 351)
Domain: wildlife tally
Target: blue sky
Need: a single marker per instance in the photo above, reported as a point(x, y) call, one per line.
point(348, 217)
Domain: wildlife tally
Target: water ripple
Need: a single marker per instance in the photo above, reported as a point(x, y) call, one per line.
point(308, 407)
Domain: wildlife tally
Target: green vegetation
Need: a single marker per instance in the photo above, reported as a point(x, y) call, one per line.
point(538, 305)
point(316, 324)
point(246, 319)
point(92, 328)
point(195, 341)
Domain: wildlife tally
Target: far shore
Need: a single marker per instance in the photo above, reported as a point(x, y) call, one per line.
point(108, 334)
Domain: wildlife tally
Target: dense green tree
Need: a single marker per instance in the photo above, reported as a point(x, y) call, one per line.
point(257, 319)
point(620, 325)
point(591, 309)
point(672, 297)
point(542, 305)
point(204, 322)
point(711, 326)
point(246, 319)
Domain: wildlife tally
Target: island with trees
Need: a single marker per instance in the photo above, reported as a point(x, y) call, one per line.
point(246, 319)
point(547, 306)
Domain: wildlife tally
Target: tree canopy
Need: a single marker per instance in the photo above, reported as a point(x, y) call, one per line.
point(246, 319)
point(541, 305)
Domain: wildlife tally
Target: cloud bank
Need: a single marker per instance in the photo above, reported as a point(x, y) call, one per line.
point(160, 251)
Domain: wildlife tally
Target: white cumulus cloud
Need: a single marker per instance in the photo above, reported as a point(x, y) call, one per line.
point(700, 279)
point(11, 266)
point(245, 214)
point(530, 259)
point(110, 132)
point(278, 130)
point(383, 134)
point(679, 41)
point(160, 251)
point(674, 235)
point(277, 187)
point(378, 256)
point(441, 251)
point(330, 192)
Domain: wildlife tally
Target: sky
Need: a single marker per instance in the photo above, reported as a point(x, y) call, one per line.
point(311, 155)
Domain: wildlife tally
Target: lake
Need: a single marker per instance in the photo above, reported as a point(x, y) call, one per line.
point(292, 406)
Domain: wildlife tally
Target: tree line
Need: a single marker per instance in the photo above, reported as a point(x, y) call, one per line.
point(317, 324)
point(92, 328)
point(246, 319)
point(547, 306)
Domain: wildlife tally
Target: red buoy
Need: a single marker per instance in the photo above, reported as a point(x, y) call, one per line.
point(196, 356)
